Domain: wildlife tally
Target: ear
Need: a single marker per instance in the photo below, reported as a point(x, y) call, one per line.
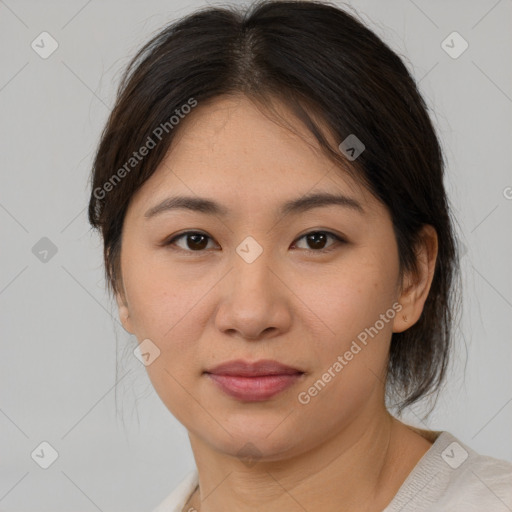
point(124, 312)
point(416, 284)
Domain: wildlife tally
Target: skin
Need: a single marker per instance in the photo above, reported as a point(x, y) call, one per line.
point(342, 451)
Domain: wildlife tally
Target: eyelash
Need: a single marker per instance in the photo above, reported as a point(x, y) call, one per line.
point(337, 238)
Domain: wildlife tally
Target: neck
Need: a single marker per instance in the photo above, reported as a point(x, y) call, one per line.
point(360, 468)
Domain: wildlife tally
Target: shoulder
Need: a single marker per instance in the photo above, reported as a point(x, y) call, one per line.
point(451, 477)
point(479, 483)
point(180, 495)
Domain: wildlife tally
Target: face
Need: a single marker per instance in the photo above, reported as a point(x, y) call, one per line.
point(314, 287)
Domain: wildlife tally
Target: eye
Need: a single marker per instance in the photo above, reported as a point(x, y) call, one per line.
point(318, 239)
point(194, 241)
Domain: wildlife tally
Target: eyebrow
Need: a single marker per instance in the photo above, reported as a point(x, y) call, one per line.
point(295, 206)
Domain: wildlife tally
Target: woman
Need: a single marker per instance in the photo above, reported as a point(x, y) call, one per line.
point(269, 188)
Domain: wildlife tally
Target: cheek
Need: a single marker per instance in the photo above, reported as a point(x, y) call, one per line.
point(348, 297)
point(168, 312)
point(159, 298)
point(171, 309)
point(352, 345)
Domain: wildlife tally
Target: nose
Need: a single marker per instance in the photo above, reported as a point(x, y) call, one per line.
point(254, 303)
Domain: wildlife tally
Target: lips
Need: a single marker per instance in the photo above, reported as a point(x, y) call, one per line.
point(256, 369)
point(253, 382)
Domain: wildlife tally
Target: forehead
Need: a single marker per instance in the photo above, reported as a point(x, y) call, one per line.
point(236, 152)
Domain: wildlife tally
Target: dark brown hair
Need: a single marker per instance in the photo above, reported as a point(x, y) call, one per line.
point(324, 64)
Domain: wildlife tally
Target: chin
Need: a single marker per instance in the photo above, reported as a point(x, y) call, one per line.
point(267, 438)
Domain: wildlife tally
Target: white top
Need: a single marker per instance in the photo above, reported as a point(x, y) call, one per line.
point(450, 477)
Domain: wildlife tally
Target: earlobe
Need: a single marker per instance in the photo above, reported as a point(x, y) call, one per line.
point(124, 313)
point(416, 285)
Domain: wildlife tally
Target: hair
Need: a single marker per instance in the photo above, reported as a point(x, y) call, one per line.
point(325, 65)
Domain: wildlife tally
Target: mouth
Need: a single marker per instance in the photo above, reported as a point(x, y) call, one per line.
point(253, 382)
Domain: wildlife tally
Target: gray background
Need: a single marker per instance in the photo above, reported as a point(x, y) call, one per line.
point(119, 448)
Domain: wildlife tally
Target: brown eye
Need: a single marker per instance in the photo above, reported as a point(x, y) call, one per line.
point(193, 241)
point(317, 240)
